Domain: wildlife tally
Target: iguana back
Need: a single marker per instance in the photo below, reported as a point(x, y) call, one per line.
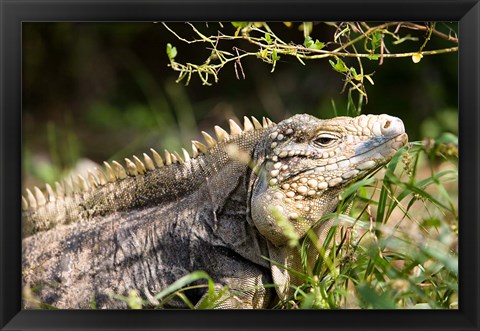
point(147, 224)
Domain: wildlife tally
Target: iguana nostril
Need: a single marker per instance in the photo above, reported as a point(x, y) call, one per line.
point(392, 126)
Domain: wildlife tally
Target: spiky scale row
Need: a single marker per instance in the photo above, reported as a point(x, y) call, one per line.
point(92, 179)
point(119, 170)
point(168, 157)
point(220, 133)
point(102, 180)
point(148, 162)
point(81, 183)
point(115, 171)
point(39, 197)
point(31, 199)
point(131, 167)
point(110, 173)
point(51, 194)
point(68, 183)
point(201, 147)
point(247, 124)
point(234, 128)
point(186, 155)
point(139, 164)
point(24, 203)
point(178, 158)
point(59, 190)
point(209, 139)
point(158, 159)
point(256, 124)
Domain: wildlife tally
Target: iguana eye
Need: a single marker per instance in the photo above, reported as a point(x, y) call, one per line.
point(326, 140)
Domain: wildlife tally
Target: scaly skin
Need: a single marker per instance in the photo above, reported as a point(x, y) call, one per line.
point(144, 227)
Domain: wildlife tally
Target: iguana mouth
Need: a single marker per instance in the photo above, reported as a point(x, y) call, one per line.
point(395, 143)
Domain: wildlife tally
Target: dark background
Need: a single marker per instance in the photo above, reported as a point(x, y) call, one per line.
point(105, 91)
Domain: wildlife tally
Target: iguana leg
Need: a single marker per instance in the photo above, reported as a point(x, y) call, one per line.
point(243, 292)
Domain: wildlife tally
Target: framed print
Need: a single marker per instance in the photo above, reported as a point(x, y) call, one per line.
point(212, 168)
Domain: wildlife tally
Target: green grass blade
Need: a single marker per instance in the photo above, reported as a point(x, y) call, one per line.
point(185, 280)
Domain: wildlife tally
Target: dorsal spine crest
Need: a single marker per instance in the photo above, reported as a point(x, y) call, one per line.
point(114, 171)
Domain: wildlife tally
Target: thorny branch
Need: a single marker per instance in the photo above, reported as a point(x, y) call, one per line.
point(347, 39)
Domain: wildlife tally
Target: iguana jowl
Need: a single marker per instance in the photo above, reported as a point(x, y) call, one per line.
point(145, 225)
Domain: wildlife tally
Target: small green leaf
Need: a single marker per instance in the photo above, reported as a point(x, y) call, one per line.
point(355, 75)
point(264, 53)
point(134, 301)
point(275, 56)
point(373, 56)
point(314, 45)
point(308, 42)
point(376, 40)
point(171, 51)
point(339, 66)
point(239, 24)
point(268, 39)
point(319, 44)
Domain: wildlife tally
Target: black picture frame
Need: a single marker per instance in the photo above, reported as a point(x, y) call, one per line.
point(14, 12)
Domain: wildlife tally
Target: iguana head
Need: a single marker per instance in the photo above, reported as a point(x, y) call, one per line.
point(305, 162)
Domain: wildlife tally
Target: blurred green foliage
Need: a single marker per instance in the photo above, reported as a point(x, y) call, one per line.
point(107, 90)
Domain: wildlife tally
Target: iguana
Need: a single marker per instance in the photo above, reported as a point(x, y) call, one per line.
point(144, 225)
